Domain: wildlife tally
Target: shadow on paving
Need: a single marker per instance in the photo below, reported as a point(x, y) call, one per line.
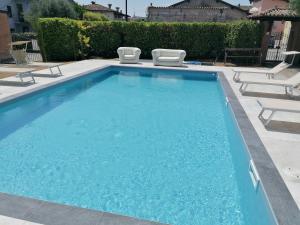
point(270, 95)
point(284, 127)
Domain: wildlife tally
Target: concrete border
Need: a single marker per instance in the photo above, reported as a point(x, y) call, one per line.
point(283, 205)
point(47, 213)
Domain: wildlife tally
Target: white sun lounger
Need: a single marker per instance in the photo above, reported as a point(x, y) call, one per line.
point(288, 84)
point(54, 68)
point(275, 105)
point(20, 57)
point(22, 74)
point(270, 73)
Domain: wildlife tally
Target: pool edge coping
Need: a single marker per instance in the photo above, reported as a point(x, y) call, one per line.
point(282, 204)
point(257, 151)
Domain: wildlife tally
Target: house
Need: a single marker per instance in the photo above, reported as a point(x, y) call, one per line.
point(197, 11)
point(260, 6)
point(263, 5)
point(15, 11)
point(108, 11)
point(5, 37)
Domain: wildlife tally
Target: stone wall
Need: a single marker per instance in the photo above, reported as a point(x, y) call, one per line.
point(5, 37)
point(197, 11)
point(194, 14)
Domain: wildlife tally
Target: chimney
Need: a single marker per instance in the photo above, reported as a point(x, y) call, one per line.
point(151, 4)
point(117, 8)
point(93, 2)
point(109, 6)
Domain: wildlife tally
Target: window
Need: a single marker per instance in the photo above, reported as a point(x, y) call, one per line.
point(9, 13)
point(25, 29)
point(20, 12)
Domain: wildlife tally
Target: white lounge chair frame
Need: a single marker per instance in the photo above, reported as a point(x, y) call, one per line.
point(270, 73)
point(129, 55)
point(51, 67)
point(21, 76)
point(26, 74)
point(288, 84)
point(168, 57)
point(20, 58)
point(275, 106)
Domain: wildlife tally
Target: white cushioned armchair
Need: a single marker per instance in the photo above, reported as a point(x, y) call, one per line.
point(129, 54)
point(168, 57)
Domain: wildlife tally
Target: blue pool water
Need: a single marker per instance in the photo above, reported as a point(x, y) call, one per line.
point(154, 144)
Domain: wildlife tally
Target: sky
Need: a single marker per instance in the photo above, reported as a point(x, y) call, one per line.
point(138, 7)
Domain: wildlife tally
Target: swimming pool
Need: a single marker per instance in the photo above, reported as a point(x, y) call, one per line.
point(155, 144)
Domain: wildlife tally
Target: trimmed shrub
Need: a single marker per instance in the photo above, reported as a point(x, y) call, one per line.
point(244, 34)
point(58, 39)
point(65, 39)
point(105, 38)
point(198, 39)
point(91, 16)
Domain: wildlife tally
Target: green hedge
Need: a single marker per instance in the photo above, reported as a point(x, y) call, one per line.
point(244, 34)
point(66, 39)
point(59, 39)
point(92, 16)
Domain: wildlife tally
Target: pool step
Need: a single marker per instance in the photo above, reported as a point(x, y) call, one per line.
point(254, 174)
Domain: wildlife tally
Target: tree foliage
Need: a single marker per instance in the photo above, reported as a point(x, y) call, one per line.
point(51, 8)
point(295, 4)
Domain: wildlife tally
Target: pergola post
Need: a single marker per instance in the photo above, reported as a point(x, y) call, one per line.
point(276, 14)
point(267, 25)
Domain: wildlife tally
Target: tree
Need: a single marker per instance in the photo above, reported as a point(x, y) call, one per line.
point(80, 10)
point(50, 8)
point(295, 4)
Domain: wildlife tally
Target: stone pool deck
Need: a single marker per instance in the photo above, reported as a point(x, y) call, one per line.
point(281, 139)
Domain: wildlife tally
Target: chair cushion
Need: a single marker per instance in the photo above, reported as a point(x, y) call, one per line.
point(168, 59)
point(129, 56)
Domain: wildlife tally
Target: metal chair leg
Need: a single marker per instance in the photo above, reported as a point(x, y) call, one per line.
point(260, 115)
point(60, 73)
point(243, 88)
point(269, 119)
point(236, 76)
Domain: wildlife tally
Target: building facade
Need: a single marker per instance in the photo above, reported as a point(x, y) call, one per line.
point(260, 6)
point(197, 11)
point(15, 12)
point(263, 5)
point(109, 12)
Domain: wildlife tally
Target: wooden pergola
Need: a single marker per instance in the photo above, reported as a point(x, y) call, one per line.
point(268, 17)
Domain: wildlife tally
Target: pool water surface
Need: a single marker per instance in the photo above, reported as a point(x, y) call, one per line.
point(156, 144)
